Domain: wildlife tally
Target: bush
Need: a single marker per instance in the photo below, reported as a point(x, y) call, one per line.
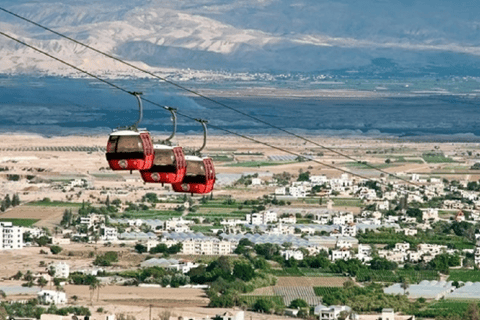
point(56, 249)
point(263, 305)
point(106, 259)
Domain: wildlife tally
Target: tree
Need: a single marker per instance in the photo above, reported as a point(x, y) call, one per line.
point(8, 202)
point(243, 271)
point(42, 282)
point(3, 294)
point(263, 305)
point(55, 249)
point(51, 272)
point(140, 248)
point(298, 303)
point(404, 285)
point(41, 241)
point(92, 287)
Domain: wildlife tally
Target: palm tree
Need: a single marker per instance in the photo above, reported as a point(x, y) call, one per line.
point(92, 287)
point(404, 285)
point(99, 285)
point(51, 272)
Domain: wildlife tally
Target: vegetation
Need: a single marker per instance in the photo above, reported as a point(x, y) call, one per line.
point(31, 309)
point(106, 259)
point(20, 222)
point(55, 249)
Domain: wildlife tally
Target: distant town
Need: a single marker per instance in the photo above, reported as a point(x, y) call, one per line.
point(281, 238)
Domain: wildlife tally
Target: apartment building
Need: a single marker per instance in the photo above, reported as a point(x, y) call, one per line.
point(11, 237)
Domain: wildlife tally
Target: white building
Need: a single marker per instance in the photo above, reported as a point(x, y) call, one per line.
point(430, 214)
point(402, 247)
point(62, 270)
point(50, 296)
point(108, 233)
point(332, 312)
point(343, 218)
point(176, 222)
point(291, 219)
point(298, 192)
point(322, 218)
point(183, 266)
point(11, 237)
point(342, 254)
point(364, 252)
point(92, 219)
point(348, 230)
point(208, 247)
point(292, 254)
point(262, 217)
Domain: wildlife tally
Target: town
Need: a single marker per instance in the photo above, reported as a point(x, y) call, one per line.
point(279, 236)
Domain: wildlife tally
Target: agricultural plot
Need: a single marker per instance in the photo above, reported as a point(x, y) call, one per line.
point(436, 158)
point(54, 204)
point(252, 164)
point(299, 292)
point(325, 291)
point(251, 299)
point(20, 222)
point(414, 276)
point(464, 275)
point(302, 272)
point(443, 308)
point(311, 281)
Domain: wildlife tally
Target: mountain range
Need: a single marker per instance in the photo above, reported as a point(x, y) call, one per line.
point(213, 40)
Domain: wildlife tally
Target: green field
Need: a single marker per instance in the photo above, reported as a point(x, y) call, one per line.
point(464, 275)
point(347, 202)
point(203, 229)
point(414, 276)
point(443, 308)
point(153, 214)
point(54, 204)
point(251, 164)
point(301, 272)
point(250, 300)
point(436, 158)
point(20, 222)
point(325, 291)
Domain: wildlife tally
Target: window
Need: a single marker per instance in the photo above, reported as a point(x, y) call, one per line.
point(125, 144)
point(164, 158)
point(129, 144)
point(195, 168)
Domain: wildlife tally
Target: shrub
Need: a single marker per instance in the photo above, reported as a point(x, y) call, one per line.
point(55, 249)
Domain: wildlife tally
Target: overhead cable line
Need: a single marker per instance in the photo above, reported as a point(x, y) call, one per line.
point(210, 99)
point(189, 117)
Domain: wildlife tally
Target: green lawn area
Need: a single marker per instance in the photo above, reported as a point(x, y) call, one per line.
point(347, 202)
point(436, 158)
point(204, 229)
point(464, 275)
point(443, 308)
point(251, 164)
point(153, 214)
point(54, 204)
point(20, 222)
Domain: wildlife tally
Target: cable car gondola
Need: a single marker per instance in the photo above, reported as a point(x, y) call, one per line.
point(130, 148)
point(169, 164)
point(200, 175)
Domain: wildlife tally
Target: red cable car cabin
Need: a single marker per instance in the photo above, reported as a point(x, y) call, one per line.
point(130, 150)
point(169, 165)
point(199, 178)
